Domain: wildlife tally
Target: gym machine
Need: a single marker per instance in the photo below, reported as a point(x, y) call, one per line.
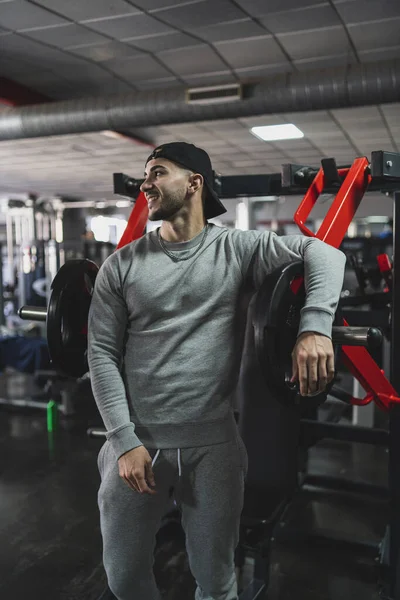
point(31, 230)
point(384, 171)
point(34, 258)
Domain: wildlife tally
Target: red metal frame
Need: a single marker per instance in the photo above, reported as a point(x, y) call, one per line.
point(136, 223)
point(332, 231)
point(384, 263)
point(343, 208)
point(385, 267)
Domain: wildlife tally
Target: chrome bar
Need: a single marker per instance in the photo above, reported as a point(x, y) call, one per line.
point(33, 313)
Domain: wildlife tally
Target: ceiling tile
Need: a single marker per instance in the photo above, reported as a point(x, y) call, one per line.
point(260, 120)
point(19, 14)
point(311, 17)
point(232, 138)
point(13, 67)
point(204, 79)
point(213, 143)
point(56, 89)
point(250, 74)
point(244, 28)
point(324, 62)
point(78, 10)
point(371, 145)
point(82, 87)
point(198, 137)
point(302, 145)
point(314, 117)
point(143, 67)
point(77, 69)
point(391, 110)
point(357, 11)
point(328, 127)
point(104, 52)
point(259, 8)
point(242, 139)
point(359, 133)
point(246, 162)
point(232, 151)
point(195, 139)
point(250, 52)
point(305, 157)
point(324, 133)
point(161, 42)
point(129, 27)
point(201, 14)
point(338, 149)
point(155, 5)
point(378, 34)
point(225, 125)
point(266, 154)
point(376, 136)
point(19, 47)
point(289, 145)
point(355, 114)
point(66, 35)
point(156, 84)
point(379, 54)
point(189, 61)
point(185, 128)
point(43, 77)
point(325, 42)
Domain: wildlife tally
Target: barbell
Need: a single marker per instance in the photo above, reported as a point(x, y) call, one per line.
point(66, 316)
point(276, 321)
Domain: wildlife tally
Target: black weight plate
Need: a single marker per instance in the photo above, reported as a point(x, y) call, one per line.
point(276, 321)
point(67, 316)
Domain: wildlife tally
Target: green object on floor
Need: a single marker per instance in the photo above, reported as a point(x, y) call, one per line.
point(52, 414)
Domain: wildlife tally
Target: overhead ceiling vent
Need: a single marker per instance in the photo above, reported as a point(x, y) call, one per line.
point(215, 94)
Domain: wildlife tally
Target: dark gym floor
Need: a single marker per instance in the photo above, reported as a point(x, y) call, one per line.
point(50, 539)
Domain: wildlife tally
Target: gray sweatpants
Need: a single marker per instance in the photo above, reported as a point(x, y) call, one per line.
point(208, 484)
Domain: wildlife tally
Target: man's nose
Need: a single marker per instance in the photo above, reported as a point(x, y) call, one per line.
point(146, 185)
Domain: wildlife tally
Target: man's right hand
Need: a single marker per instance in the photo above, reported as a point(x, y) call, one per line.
point(135, 468)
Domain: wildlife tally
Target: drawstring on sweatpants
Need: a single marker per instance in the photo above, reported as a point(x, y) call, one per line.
point(155, 458)
point(179, 460)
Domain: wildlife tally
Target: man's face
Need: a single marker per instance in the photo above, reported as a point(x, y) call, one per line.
point(165, 187)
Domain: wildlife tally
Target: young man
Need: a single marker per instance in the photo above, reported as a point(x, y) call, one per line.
point(164, 356)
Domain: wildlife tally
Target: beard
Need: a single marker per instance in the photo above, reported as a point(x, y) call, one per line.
point(171, 204)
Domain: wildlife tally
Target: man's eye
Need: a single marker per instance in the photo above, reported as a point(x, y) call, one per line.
point(157, 173)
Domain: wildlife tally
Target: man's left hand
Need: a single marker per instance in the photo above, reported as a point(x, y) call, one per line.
point(313, 363)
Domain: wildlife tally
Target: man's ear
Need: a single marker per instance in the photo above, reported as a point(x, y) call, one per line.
point(196, 181)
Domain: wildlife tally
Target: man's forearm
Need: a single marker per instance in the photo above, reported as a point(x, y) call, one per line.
point(323, 276)
point(107, 327)
point(110, 396)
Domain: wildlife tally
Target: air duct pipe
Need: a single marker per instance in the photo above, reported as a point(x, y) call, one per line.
point(324, 89)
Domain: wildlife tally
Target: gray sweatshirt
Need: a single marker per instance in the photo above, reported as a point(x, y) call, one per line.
point(164, 347)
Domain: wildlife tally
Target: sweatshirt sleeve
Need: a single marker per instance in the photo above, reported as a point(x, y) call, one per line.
point(323, 274)
point(107, 325)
